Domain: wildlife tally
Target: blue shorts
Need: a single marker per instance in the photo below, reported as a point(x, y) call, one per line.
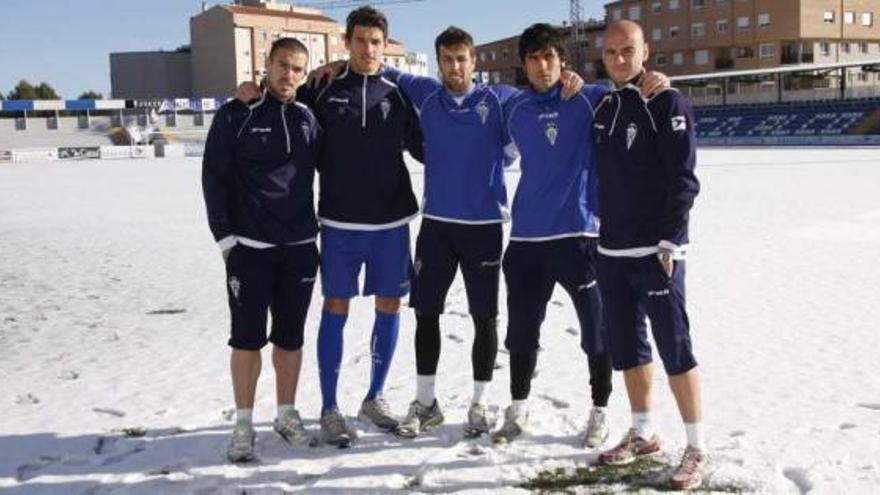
point(633, 288)
point(444, 246)
point(532, 270)
point(278, 280)
point(384, 252)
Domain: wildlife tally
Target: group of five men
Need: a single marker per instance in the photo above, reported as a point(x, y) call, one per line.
point(586, 153)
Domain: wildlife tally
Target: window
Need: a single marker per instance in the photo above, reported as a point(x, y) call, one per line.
point(721, 2)
point(698, 30)
point(845, 47)
point(678, 58)
point(863, 47)
point(828, 16)
point(673, 5)
point(657, 7)
point(743, 52)
point(767, 50)
point(698, 4)
point(492, 56)
point(701, 57)
point(505, 55)
point(863, 77)
point(616, 14)
point(660, 59)
point(742, 23)
point(763, 20)
point(825, 48)
point(868, 19)
point(635, 13)
point(600, 41)
point(722, 26)
point(482, 56)
point(673, 32)
point(849, 17)
point(656, 34)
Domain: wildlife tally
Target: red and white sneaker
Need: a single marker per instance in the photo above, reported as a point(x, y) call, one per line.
point(689, 474)
point(629, 449)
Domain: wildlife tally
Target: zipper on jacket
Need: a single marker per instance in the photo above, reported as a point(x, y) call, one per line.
point(284, 120)
point(364, 103)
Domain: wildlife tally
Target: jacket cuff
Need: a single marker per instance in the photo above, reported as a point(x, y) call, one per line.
point(227, 242)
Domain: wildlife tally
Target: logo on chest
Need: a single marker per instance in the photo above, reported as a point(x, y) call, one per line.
point(632, 130)
point(343, 102)
point(483, 111)
point(307, 131)
point(551, 130)
point(385, 106)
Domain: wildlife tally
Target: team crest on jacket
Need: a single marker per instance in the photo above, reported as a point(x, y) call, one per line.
point(306, 128)
point(551, 130)
point(386, 108)
point(631, 132)
point(679, 123)
point(483, 111)
point(234, 286)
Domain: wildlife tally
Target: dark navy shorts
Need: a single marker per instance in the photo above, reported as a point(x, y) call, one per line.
point(635, 288)
point(531, 270)
point(384, 252)
point(277, 279)
point(444, 246)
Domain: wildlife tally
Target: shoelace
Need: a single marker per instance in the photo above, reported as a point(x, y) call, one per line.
point(336, 424)
point(691, 462)
point(381, 406)
point(241, 436)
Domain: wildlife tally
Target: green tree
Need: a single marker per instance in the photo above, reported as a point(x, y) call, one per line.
point(23, 91)
point(46, 92)
point(91, 95)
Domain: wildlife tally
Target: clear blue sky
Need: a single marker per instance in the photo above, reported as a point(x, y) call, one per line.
point(67, 42)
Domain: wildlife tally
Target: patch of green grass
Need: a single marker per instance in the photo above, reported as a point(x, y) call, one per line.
point(640, 475)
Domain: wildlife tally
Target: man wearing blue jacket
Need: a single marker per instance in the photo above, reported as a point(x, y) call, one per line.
point(257, 178)
point(365, 206)
point(647, 156)
point(553, 237)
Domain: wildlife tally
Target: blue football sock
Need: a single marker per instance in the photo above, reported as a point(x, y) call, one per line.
point(382, 345)
point(330, 356)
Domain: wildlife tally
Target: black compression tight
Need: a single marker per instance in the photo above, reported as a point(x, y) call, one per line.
point(483, 352)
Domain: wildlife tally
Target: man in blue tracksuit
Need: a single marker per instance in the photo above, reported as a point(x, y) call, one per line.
point(257, 177)
point(647, 155)
point(366, 204)
point(553, 238)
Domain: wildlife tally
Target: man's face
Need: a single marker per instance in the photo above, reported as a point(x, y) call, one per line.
point(366, 47)
point(624, 54)
point(286, 71)
point(543, 69)
point(457, 64)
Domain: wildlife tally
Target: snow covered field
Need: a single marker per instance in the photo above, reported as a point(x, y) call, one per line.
point(113, 316)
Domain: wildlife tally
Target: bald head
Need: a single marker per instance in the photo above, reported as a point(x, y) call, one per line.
point(625, 51)
point(626, 28)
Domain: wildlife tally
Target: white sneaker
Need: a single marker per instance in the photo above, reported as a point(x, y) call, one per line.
point(335, 431)
point(419, 418)
point(597, 429)
point(514, 425)
point(291, 428)
point(241, 445)
point(376, 411)
point(480, 421)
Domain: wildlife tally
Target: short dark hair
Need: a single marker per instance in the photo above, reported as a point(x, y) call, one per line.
point(291, 44)
point(539, 37)
point(366, 16)
point(453, 36)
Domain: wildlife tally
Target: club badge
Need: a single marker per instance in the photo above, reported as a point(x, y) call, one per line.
point(631, 132)
point(306, 128)
point(386, 109)
point(483, 111)
point(551, 130)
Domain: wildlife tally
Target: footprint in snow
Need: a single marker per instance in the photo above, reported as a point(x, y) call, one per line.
point(455, 338)
point(848, 426)
point(557, 303)
point(27, 399)
point(111, 412)
point(873, 407)
point(557, 403)
point(572, 330)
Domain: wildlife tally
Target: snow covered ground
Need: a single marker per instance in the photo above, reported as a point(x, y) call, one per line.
point(113, 316)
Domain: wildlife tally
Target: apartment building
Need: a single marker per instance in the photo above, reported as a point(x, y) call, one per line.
point(706, 36)
point(229, 45)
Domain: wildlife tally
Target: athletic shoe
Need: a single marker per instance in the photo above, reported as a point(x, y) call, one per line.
point(480, 421)
point(334, 430)
point(420, 418)
point(689, 474)
point(631, 447)
point(241, 445)
point(377, 412)
point(514, 425)
point(597, 429)
point(291, 429)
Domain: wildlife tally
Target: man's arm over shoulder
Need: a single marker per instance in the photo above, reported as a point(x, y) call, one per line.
point(218, 169)
point(674, 118)
point(510, 110)
point(416, 88)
